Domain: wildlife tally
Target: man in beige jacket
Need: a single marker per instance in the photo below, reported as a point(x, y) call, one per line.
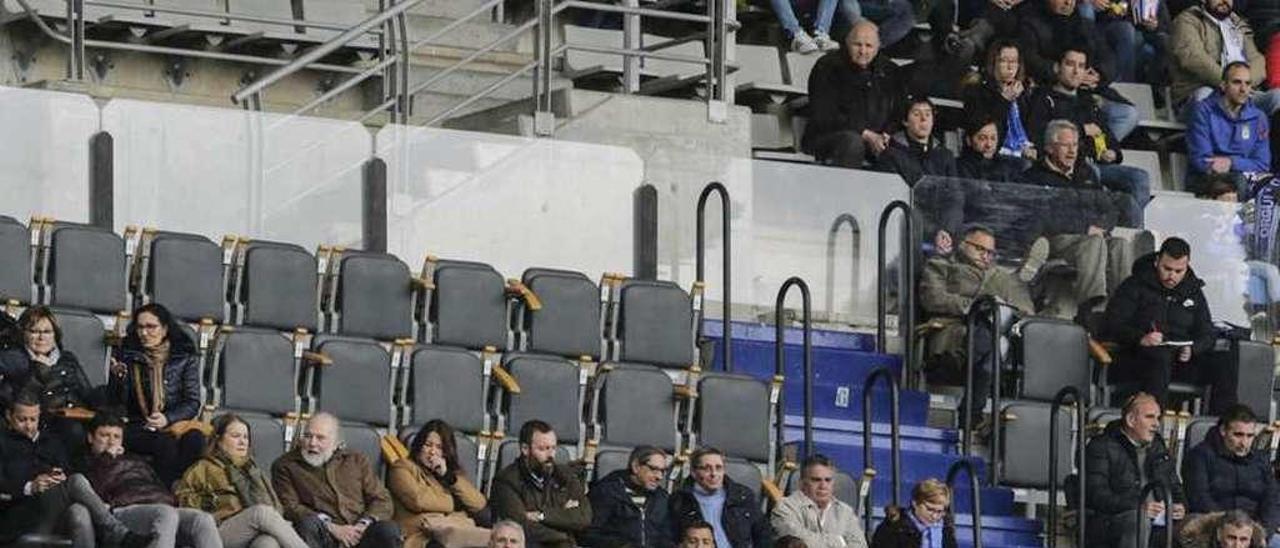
point(814, 515)
point(1204, 40)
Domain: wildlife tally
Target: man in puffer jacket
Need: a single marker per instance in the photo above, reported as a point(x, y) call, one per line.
point(629, 507)
point(1225, 473)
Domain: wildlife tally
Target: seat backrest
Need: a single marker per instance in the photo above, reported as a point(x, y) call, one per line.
point(1196, 431)
point(733, 415)
point(744, 473)
point(1141, 97)
point(1025, 450)
point(365, 439)
point(569, 322)
point(846, 489)
point(549, 391)
point(469, 306)
point(448, 384)
point(759, 65)
point(85, 336)
point(358, 385)
point(655, 323)
point(799, 66)
point(374, 297)
point(266, 438)
point(86, 269)
point(1257, 375)
point(278, 286)
point(15, 261)
point(637, 407)
point(257, 371)
point(185, 275)
point(1055, 353)
point(609, 461)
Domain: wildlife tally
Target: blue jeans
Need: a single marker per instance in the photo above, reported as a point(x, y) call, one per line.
point(1122, 118)
point(1122, 36)
point(1274, 541)
point(787, 16)
point(894, 17)
point(1132, 181)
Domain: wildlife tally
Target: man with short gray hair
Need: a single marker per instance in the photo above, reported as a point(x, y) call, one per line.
point(331, 494)
point(506, 534)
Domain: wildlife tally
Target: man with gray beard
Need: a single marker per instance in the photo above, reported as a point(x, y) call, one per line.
point(331, 494)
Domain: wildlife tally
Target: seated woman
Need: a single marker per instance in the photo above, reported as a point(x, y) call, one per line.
point(155, 378)
point(229, 484)
point(922, 525)
point(428, 488)
point(42, 368)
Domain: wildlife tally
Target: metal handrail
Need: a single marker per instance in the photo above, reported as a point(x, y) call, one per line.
point(510, 35)
point(895, 437)
point(849, 219)
point(489, 5)
point(906, 290)
point(646, 12)
point(780, 357)
point(1067, 393)
point(726, 276)
point(975, 498)
point(980, 305)
point(1152, 488)
point(222, 15)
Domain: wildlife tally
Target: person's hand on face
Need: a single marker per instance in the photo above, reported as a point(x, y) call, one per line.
point(942, 242)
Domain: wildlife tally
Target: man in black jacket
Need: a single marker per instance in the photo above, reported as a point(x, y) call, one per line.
point(629, 508)
point(1120, 462)
point(914, 152)
point(711, 496)
point(980, 158)
point(854, 94)
point(1161, 321)
point(38, 495)
point(1225, 473)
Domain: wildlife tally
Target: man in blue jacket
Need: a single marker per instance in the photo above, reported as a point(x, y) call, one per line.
point(1225, 473)
point(1227, 134)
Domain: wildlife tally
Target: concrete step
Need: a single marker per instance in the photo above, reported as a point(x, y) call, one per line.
point(471, 34)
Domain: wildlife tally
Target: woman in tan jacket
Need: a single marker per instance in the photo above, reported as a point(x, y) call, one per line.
point(228, 484)
point(432, 494)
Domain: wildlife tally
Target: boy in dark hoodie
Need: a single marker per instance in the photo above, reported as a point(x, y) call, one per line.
point(914, 152)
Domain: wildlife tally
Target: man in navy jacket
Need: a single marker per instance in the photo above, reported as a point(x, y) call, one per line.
point(1225, 473)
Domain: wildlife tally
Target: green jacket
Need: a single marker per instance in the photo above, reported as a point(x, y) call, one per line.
point(561, 499)
point(1196, 47)
point(949, 285)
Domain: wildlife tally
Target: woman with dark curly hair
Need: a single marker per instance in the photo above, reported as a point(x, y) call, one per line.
point(433, 496)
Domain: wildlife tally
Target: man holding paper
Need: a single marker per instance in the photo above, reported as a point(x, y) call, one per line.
point(1161, 321)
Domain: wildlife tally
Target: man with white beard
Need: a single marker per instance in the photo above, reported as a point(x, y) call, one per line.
point(331, 494)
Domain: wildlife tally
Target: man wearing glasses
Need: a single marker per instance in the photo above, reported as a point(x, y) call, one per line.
point(711, 496)
point(949, 286)
point(629, 507)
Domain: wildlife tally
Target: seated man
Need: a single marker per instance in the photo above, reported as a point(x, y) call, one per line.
point(1225, 473)
point(948, 288)
point(1204, 40)
point(543, 496)
point(331, 494)
point(506, 534)
point(1161, 320)
point(981, 159)
point(1231, 529)
point(1227, 134)
point(130, 486)
point(37, 495)
point(1101, 151)
point(854, 95)
point(1120, 462)
point(711, 497)
point(914, 152)
point(629, 507)
point(814, 515)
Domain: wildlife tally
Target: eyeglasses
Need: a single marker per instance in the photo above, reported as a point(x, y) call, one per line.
point(981, 249)
point(657, 469)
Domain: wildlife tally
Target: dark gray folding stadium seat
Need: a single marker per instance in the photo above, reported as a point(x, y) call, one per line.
point(448, 384)
point(1025, 438)
point(372, 297)
point(551, 389)
point(1099, 417)
point(358, 386)
point(257, 370)
point(1256, 375)
point(569, 322)
point(184, 272)
point(744, 473)
point(1055, 353)
point(85, 336)
point(635, 405)
point(653, 324)
point(467, 307)
point(276, 286)
point(16, 277)
point(266, 438)
point(734, 414)
point(364, 438)
point(1197, 428)
point(86, 269)
point(608, 461)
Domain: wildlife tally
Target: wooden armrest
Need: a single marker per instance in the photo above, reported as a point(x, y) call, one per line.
point(73, 413)
point(392, 448)
point(418, 282)
point(1099, 352)
point(771, 490)
point(516, 288)
point(685, 392)
point(931, 325)
point(504, 379)
point(317, 358)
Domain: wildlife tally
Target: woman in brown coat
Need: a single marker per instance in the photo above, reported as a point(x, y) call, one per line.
point(432, 494)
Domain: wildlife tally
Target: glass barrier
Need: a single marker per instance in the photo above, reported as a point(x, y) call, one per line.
point(512, 202)
point(1219, 252)
point(218, 171)
point(44, 164)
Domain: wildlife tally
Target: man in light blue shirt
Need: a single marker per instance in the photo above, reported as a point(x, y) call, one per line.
point(731, 509)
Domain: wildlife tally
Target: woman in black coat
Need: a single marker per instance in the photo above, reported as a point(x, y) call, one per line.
point(1002, 96)
point(155, 377)
point(49, 373)
point(922, 525)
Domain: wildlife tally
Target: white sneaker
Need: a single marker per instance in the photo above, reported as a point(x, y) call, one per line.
point(824, 42)
point(803, 43)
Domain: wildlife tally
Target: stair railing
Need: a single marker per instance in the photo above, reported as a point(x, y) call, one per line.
point(1068, 394)
point(906, 289)
point(726, 276)
point(780, 357)
point(841, 220)
point(895, 439)
point(975, 498)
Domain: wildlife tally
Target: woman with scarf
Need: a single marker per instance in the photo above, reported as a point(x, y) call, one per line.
point(923, 524)
point(42, 368)
point(432, 494)
point(155, 377)
point(228, 484)
point(1001, 95)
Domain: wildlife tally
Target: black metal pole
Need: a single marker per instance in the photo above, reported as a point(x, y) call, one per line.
point(645, 234)
point(996, 367)
point(779, 356)
point(975, 498)
point(1071, 394)
point(726, 274)
point(906, 290)
point(1150, 488)
point(976, 309)
point(894, 436)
